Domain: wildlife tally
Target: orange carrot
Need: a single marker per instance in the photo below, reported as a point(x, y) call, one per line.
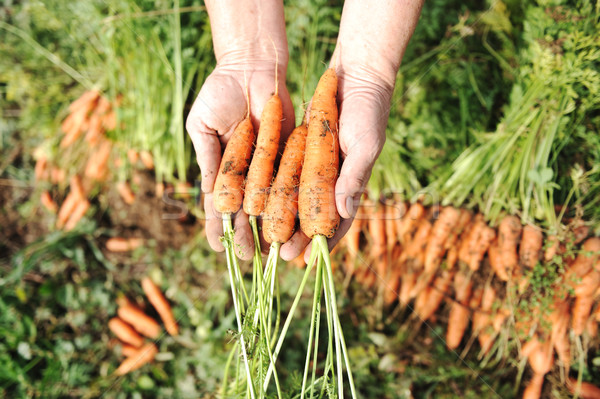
point(143, 323)
point(410, 222)
point(391, 283)
point(41, 167)
point(143, 356)
point(125, 332)
point(147, 159)
point(531, 245)
point(228, 191)
point(316, 200)
point(125, 192)
point(586, 259)
point(260, 173)
point(496, 261)
point(133, 156)
point(86, 100)
point(94, 130)
point(469, 238)
point(435, 295)
point(509, 233)
point(57, 175)
point(78, 213)
point(120, 244)
point(583, 390)
point(552, 247)
point(97, 165)
point(451, 257)
point(157, 299)
point(110, 121)
point(390, 214)
point(129, 350)
point(441, 230)
point(534, 388)
point(71, 201)
point(48, 202)
point(477, 252)
point(581, 312)
point(458, 319)
point(541, 357)
point(279, 218)
point(352, 242)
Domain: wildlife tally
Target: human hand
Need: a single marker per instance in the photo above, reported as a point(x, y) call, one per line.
point(219, 107)
point(364, 102)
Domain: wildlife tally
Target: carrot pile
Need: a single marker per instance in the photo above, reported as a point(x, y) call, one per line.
point(486, 276)
point(132, 324)
point(84, 160)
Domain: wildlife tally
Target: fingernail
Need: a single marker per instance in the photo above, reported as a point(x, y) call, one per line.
point(350, 208)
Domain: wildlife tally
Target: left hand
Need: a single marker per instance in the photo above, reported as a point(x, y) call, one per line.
point(364, 104)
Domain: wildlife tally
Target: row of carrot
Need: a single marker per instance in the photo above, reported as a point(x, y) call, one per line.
point(436, 254)
point(132, 321)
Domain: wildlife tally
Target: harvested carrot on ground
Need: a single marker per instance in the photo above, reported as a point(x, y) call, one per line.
point(48, 202)
point(352, 243)
point(125, 332)
point(78, 213)
point(120, 244)
point(458, 319)
point(41, 168)
point(125, 192)
point(509, 233)
point(583, 390)
point(160, 303)
point(435, 295)
point(139, 320)
point(66, 209)
point(530, 246)
point(410, 222)
point(129, 350)
point(441, 230)
point(143, 356)
point(534, 387)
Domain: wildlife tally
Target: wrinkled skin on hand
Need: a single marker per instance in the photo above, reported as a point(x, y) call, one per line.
point(219, 107)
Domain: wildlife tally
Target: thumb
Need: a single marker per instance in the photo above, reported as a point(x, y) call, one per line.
point(362, 135)
point(354, 175)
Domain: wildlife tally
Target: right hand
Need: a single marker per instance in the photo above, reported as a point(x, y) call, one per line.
point(217, 110)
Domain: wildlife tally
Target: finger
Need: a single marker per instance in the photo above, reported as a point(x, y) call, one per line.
point(294, 247)
point(208, 156)
point(242, 238)
point(214, 225)
point(264, 245)
point(332, 242)
point(361, 137)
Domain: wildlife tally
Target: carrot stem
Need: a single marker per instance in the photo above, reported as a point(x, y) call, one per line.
point(236, 281)
point(288, 320)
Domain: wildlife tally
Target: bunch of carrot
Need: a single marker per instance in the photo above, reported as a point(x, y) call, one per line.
point(436, 254)
point(303, 189)
point(132, 323)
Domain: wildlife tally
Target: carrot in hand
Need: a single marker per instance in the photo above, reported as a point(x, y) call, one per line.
point(157, 299)
point(260, 173)
point(282, 203)
point(228, 191)
point(125, 332)
point(316, 201)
